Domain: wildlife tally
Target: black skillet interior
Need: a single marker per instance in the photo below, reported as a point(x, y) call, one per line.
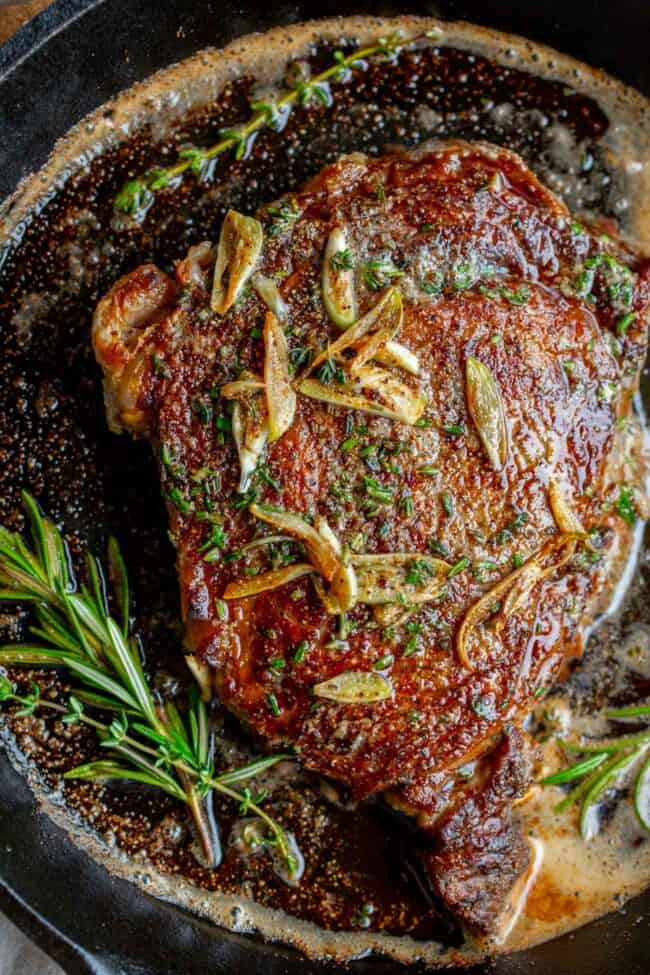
point(58, 68)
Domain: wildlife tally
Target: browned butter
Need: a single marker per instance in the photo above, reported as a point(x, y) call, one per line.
point(569, 881)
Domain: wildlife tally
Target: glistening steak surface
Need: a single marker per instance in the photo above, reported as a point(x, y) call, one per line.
point(490, 267)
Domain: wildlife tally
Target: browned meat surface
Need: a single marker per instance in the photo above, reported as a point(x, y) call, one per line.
point(478, 851)
point(491, 270)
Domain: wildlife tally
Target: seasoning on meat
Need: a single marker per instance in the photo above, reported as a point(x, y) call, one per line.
point(437, 455)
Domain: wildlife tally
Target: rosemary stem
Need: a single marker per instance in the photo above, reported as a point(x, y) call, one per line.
point(196, 805)
point(186, 775)
point(277, 830)
point(92, 723)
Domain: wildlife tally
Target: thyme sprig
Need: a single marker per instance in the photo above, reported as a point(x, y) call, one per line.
point(601, 765)
point(137, 195)
point(147, 740)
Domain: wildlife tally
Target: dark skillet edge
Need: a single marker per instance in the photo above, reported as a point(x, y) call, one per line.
point(120, 931)
point(606, 939)
point(37, 31)
point(38, 930)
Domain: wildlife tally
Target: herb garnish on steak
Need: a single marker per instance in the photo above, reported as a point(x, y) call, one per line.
point(389, 432)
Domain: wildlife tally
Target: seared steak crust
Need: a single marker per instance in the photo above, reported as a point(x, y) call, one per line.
point(490, 266)
point(478, 850)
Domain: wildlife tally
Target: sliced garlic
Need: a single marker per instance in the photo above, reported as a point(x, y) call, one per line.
point(344, 588)
point(324, 558)
point(383, 579)
point(397, 355)
point(269, 292)
point(354, 687)
point(240, 245)
point(517, 585)
point(404, 402)
point(565, 518)
point(280, 395)
point(485, 404)
point(267, 581)
point(337, 284)
point(399, 401)
point(250, 431)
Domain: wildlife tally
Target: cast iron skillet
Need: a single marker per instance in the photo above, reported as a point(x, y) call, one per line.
point(58, 68)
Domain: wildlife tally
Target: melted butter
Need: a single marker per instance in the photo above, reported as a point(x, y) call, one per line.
point(577, 880)
point(569, 881)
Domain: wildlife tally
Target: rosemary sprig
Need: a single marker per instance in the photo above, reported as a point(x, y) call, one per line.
point(148, 740)
point(601, 766)
point(137, 195)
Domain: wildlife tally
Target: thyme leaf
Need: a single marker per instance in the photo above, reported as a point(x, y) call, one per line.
point(136, 196)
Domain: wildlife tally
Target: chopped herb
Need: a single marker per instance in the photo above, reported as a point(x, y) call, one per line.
point(380, 191)
point(463, 277)
point(340, 491)
point(517, 560)
point(411, 646)
point(415, 716)
point(221, 606)
point(300, 358)
point(175, 468)
point(428, 471)
point(438, 548)
point(453, 429)
point(349, 444)
point(625, 504)
point(376, 491)
point(406, 505)
point(329, 372)
point(520, 518)
point(232, 556)
point(447, 501)
point(342, 260)
point(423, 422)
point(484, 708)
point(480, 568)
point(518, 297)
point(214, 545)
point(159, 367)
point(624, 323)
point(607, 391)
point(377, 274)
point(458, 567)
point(180, 502)
point(336, 644)
point(277, 664)
point(301, 652)
point(223, 423)
point(265, 476)
point(383, 662)
point(282, 218)
point(434, 284)
point(274, 707)
point(417, 573)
